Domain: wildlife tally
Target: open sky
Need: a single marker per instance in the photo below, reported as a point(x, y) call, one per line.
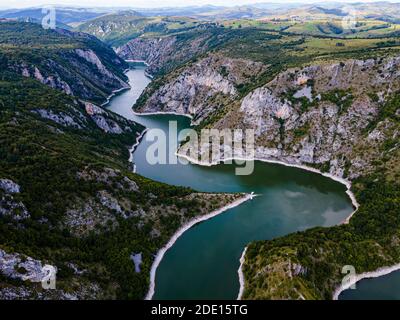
point(147, 3)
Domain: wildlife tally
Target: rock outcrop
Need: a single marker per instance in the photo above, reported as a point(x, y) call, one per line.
point(76, 63)
point(155, 51)
point(17, 266)
point(9, 205)
point(163, 54)
point(317, 115)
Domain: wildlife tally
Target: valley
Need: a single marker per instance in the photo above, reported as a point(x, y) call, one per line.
point(69, 197)
point(282, 205)
point(319, 96)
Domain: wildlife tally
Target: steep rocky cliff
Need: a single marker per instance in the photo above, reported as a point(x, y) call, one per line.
point(155, 51)
point(202, 88)
point(166, 52)
point(68, 198)
point(76, 63)
point(325, 115)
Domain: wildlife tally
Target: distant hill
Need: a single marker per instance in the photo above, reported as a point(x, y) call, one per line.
point(118, 28)
point(64, 15)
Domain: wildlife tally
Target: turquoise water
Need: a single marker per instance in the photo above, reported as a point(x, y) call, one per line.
point(203, 263)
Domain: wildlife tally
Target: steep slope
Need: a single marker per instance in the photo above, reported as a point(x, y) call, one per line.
point(117, 29)
point(165, 52)
point(351, 131)
point(76, 63)
point(68, 197)
point(202, 88)
point(338, 113)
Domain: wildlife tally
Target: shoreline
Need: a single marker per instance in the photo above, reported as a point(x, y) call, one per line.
point(241, 275)
point(160, 254)
point(366, 275)
point(181, 231)
point(343, 181)
point(114, 92)
point(298, 166)
point(147, 74)
point(138, 61)
point(162, 113)
point(133, 148)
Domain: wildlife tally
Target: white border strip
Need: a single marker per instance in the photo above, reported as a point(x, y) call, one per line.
point(133, 148)
point(241, 275)
point(180, 232)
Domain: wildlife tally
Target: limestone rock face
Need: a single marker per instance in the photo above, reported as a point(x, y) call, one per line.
point(9, 206)
point(9, 186)
point(327, 127)
point(317, 115)
point(107, 121)
point(194, 90)
point(60, 118)
point(20, 267)
point(84, 67)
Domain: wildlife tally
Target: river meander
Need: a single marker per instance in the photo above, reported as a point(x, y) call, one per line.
point(203, 262)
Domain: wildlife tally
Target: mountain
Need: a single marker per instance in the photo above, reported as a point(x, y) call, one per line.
point(68, 197)
point(326, 20)
point(77, 63)
point(164, 53)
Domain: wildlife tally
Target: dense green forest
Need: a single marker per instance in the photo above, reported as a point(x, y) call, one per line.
point(86, 209)
point(61, 168)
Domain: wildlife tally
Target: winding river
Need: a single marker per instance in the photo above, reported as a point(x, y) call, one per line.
point(203, 262)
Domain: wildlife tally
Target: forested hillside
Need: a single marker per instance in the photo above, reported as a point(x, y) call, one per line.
point(77, 63)
point(68, 196)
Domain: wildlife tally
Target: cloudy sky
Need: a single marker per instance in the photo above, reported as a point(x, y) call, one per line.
point(145, 3)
